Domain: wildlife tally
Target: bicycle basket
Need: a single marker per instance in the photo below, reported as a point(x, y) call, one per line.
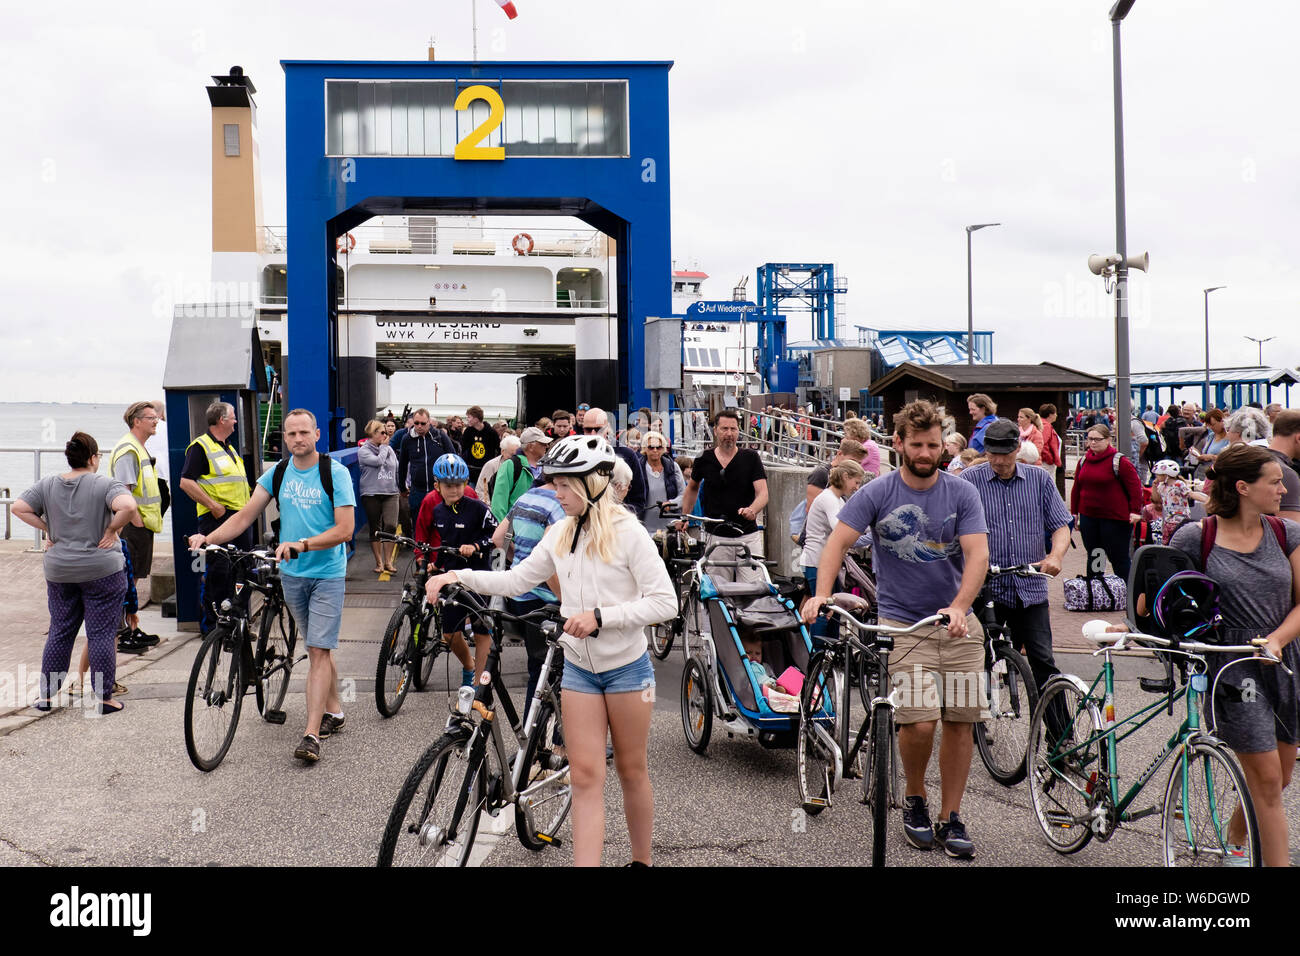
point(1187, 608)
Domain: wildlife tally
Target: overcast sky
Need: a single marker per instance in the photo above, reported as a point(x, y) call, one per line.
point(865, 134)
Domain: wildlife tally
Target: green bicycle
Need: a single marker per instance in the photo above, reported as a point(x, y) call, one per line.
point(1074, 758)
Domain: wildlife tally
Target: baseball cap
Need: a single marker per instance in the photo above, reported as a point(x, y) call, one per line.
point(1002, 437)
point(533, 433)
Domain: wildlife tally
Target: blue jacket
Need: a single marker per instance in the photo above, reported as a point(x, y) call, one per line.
point(469, 521)
point(417, 456)
point(977, 436)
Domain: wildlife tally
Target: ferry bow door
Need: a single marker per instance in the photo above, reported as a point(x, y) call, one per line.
point(586, 140)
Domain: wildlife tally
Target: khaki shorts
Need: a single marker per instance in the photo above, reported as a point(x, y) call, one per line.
point(938, 676)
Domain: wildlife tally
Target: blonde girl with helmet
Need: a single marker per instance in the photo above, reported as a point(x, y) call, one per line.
point(1176, 493)
point(612, 584)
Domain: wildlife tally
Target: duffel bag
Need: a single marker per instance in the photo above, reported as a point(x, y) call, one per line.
point(1095, 593)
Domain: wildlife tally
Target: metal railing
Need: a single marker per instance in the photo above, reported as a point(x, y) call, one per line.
point(781, 438)
point(422, 239)
point(7, 500)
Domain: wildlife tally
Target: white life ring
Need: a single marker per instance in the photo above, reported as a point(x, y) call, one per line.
point(522, 244)
point(346, 242)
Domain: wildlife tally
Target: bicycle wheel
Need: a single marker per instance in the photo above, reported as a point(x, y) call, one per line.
point(424, 827)
point(393, 672)
point(697, 706)
point(543, 811)
point(1204, 792)
point(213, 698)
point(428, 646)
point(1003, 740)
point(660, 638)
point(819, 736)
point(878, 780)
point(277, 641)
point(1067, 767)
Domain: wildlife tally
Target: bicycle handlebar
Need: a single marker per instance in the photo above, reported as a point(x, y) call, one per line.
point(1096, 632)
point(1024, 570)
point(261, 554)
point(548, 618)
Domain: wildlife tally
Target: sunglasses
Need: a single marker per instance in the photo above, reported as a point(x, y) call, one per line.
point(583, 408)
point(654, 447)
point(587, 430)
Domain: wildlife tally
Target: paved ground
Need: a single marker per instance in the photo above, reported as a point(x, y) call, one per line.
point(121, 790)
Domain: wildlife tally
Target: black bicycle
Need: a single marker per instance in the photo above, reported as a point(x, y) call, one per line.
point(1003, 740)
point(679, 552)
point(413, 638)
point(227, 662)
point(824, 749)
point(478, 766)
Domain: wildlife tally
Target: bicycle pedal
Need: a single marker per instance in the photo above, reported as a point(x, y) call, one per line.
point(817, 802)
point(275, 716)
point(553, 841)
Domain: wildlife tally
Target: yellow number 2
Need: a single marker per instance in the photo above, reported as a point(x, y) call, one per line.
point(469, 147)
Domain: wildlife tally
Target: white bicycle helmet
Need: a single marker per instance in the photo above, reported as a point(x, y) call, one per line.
point(1166, 466)
point(578, 456)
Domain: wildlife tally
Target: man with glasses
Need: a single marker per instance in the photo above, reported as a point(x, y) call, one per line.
point(420, 449)
point(596, 422)
point(134, 467)
point(578, 417)
point(214, 476)
point(734, 487)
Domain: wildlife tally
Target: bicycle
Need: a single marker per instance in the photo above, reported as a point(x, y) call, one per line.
point(469, 769)
point(1074, 768)
point(824, 751)
point(679, 552)
point(413, 638)
point(227, 664)
point(1003, 740)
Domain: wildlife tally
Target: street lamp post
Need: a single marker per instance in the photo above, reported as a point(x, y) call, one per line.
point(1260, 343)
point(1213, 288)
point(970, 308)
point(1124, 398)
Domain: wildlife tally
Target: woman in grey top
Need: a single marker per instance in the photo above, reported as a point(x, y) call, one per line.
point(378, 464)
point(81, 512)
point(1256, 708)
point(664, 480)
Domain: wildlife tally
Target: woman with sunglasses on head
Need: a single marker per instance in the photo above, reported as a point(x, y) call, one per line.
point(1255, 561)
point(612, 584)
point(664, 480)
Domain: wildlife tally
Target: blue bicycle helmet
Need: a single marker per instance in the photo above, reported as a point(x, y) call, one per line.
point(1187, 607)
point(451, 468)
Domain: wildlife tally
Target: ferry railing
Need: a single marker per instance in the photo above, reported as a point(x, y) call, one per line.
point(38, 543)
point(780, 438)
point(438, 239)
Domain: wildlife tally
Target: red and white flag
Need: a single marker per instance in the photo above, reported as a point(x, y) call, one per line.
point(508, 7)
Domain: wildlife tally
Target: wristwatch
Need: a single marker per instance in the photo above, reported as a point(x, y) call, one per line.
point(303, 542)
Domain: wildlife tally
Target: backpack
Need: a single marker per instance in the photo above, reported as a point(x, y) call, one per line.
point(1155, 450)
point(325, 466)
point(1210, 527)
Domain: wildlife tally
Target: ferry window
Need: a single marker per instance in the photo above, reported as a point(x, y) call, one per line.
point(418, 118)
point(716, 358)
point(693, 357)
point(231, 133)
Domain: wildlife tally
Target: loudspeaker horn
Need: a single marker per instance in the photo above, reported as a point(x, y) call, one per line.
point(1099, 264)
point(1139, 262)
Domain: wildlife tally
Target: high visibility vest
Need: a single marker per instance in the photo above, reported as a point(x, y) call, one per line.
point(226, 482)
point(147, 496)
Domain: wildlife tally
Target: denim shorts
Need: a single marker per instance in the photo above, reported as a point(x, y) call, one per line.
point(317, 607)
point(637, 676)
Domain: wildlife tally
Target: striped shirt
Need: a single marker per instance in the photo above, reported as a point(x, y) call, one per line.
point(1021, 512)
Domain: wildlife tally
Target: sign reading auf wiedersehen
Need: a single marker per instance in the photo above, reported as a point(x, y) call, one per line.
point(735, 311)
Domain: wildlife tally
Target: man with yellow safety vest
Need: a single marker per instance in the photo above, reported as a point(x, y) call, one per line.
point(132, 465)
point(215, 477)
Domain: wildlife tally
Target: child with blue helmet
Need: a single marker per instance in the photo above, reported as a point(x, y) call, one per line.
point(467, 524)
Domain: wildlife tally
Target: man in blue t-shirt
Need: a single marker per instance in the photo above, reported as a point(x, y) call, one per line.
point(930, 554)
point(314, 532)
point(536, 510)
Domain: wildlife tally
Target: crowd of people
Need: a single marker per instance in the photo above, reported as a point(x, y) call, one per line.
point(571, 501)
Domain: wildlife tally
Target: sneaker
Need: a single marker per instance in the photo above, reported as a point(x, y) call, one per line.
point(148, 640)
point(329, 724)
point(952, 837)
point(917, 827)
point(1235, 855)
point(308, 750)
